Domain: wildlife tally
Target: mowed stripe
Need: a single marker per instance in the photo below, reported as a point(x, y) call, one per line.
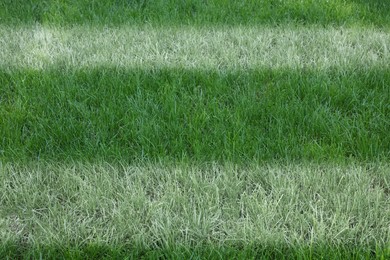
point(154, 205)
point(207, 48)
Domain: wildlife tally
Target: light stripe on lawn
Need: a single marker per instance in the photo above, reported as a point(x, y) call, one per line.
point(157, 205)
point(222, 48)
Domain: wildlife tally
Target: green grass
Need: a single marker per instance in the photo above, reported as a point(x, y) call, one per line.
point(231, 252)
point(196, 13)
point(306, 210)
point(193, 115)
point(195, 129)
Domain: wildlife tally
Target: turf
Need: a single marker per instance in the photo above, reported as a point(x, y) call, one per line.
point(96, 251)
point(156, 209)
point(194, 129)
point(179, 114)
point(196, 13)
point(223, 48)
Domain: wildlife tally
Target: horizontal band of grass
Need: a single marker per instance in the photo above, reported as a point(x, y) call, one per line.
point(98, 251)
point(220, 48)
point(316, 209)
point(196, 115)
point(195, 12)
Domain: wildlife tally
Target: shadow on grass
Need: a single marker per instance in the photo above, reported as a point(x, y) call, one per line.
point(195, 12)
point(373, 12)
point(99, 251)
point(195, 115)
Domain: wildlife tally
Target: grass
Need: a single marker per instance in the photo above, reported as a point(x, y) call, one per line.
point(222, 48)
point(193, 115)
point(153, 208)
point(201, 252)
point(236, 94)
point(196, 13)
point(194, 129)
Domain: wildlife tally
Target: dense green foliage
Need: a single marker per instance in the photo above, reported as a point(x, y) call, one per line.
point(115, 114)
point(200, 252)
point(285, 158)
point(196, 12)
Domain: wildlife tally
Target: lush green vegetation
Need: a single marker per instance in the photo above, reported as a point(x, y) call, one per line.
point(200, 252)
point(196, 12)
point(115, 114)
point(195, 129)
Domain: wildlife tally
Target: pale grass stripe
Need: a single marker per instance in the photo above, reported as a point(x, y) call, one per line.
point(46, 203)
point(186, 47)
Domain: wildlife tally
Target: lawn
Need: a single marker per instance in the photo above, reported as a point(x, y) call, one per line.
point(195, 129)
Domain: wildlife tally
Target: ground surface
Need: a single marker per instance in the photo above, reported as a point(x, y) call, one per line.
point(206, 129)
